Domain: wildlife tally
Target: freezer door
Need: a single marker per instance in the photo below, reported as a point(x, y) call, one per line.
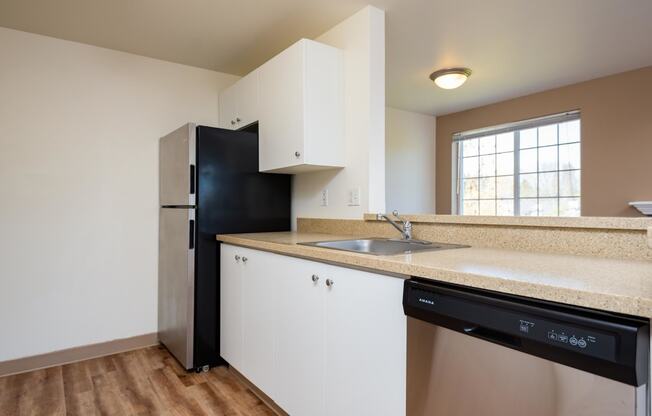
point(176, 283)
point(177, 167)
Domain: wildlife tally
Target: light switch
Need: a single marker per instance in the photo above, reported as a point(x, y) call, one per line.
point(324, 198)
point(354, 197)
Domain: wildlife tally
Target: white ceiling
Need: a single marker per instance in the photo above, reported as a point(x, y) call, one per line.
point(514, 47)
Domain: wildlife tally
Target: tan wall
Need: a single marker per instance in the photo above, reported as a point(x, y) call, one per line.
point(616, 116)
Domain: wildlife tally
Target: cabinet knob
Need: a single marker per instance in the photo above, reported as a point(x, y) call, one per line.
point(237, 258)
point(237, 120)
point(315, 278)
point(244, 259)
point(297, 154)
point(329, 282)
point(232, 122)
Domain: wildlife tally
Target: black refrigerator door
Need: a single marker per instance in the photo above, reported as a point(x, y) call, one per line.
point(232, 197)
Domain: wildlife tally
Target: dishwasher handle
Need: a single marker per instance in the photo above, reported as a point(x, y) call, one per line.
point(492, 335)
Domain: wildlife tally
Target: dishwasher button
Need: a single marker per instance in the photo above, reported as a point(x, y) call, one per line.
point(581, 343)
point(573, 341)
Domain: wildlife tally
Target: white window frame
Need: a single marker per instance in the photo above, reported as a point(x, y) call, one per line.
point(516, 127)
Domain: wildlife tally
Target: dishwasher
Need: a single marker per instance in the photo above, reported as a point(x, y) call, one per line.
point(473, 352)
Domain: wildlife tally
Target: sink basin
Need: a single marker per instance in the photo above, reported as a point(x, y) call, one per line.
point(382, 246)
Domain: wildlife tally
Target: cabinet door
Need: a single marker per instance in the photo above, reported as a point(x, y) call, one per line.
point(261, 273)
point(228, 107)
point(247, 100)
point(365, 359)
point(300, 353)
point(230, 305)
point(281, 104)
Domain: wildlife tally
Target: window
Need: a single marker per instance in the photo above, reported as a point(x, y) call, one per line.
point(530, 168)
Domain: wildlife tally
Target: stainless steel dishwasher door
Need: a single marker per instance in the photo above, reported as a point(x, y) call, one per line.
point(453, 374)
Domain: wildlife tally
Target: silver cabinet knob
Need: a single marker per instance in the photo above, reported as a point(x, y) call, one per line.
point(232, 122)
point(315, 278)
point(297, 154)
point(329, 282)
point(237, 119)
point(237, 258)
point(244, 259)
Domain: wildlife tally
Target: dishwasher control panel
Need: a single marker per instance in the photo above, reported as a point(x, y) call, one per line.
point(575, 338)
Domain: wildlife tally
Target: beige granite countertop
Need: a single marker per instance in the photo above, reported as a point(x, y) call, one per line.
point(623, 286)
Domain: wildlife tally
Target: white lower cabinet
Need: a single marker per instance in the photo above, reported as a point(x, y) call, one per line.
point(316, 349)
point(231, 305)
point(259, 300)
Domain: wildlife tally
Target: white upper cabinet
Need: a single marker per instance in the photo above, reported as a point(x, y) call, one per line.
point(239, 103)
point(301, 105)
point(297, 98)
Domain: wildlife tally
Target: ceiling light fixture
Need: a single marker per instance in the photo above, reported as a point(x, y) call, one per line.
point(450, 78)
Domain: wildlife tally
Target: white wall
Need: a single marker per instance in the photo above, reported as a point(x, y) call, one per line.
point(410, 163)
point(79, 129)
point(362, 38)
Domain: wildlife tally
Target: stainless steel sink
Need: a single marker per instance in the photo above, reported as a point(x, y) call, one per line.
point(382, 246)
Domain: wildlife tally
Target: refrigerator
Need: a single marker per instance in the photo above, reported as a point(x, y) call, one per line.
point(209, 184)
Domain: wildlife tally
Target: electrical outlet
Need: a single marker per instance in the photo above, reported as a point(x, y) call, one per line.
point(324, 198)
point(354, 197)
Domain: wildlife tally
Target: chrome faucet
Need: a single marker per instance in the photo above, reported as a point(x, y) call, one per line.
point(405, 228)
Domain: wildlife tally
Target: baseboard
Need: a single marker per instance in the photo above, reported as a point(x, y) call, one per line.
point(71, 355)
point(259, 393)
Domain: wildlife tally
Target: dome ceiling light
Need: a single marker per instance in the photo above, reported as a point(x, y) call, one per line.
point(450, 78)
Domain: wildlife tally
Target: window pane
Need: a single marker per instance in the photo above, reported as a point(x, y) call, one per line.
point(470, 147)
point(470, 189)
point(505, 163)
point(548, 184)
point(548, 135)
point(505, 142)
point(547, 159)
point(488, 207)
point(470, 208)
point(569, 183)
point(470, 167)
point(505, 207)
point(528, 207)
point(528, 138)
point(487, 145)
point(488, 188)
point(505, 187)
point(528, 186)
point(546, 170)
point(569, 207)
point(528, 160)
point(569, 132)
point(548, 207)
point(488, 165)
point(569, 156)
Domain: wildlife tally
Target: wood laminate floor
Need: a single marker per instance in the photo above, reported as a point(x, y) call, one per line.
point(141, 382)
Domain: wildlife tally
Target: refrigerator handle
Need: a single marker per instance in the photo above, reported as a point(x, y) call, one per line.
point(191, 235)
point(192, 179)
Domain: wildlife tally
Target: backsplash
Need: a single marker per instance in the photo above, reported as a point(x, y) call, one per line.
point(615, 243)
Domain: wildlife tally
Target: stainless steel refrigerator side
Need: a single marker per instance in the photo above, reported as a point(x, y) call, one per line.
point(176, 265)
point(177, 162)
point(176, 283)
